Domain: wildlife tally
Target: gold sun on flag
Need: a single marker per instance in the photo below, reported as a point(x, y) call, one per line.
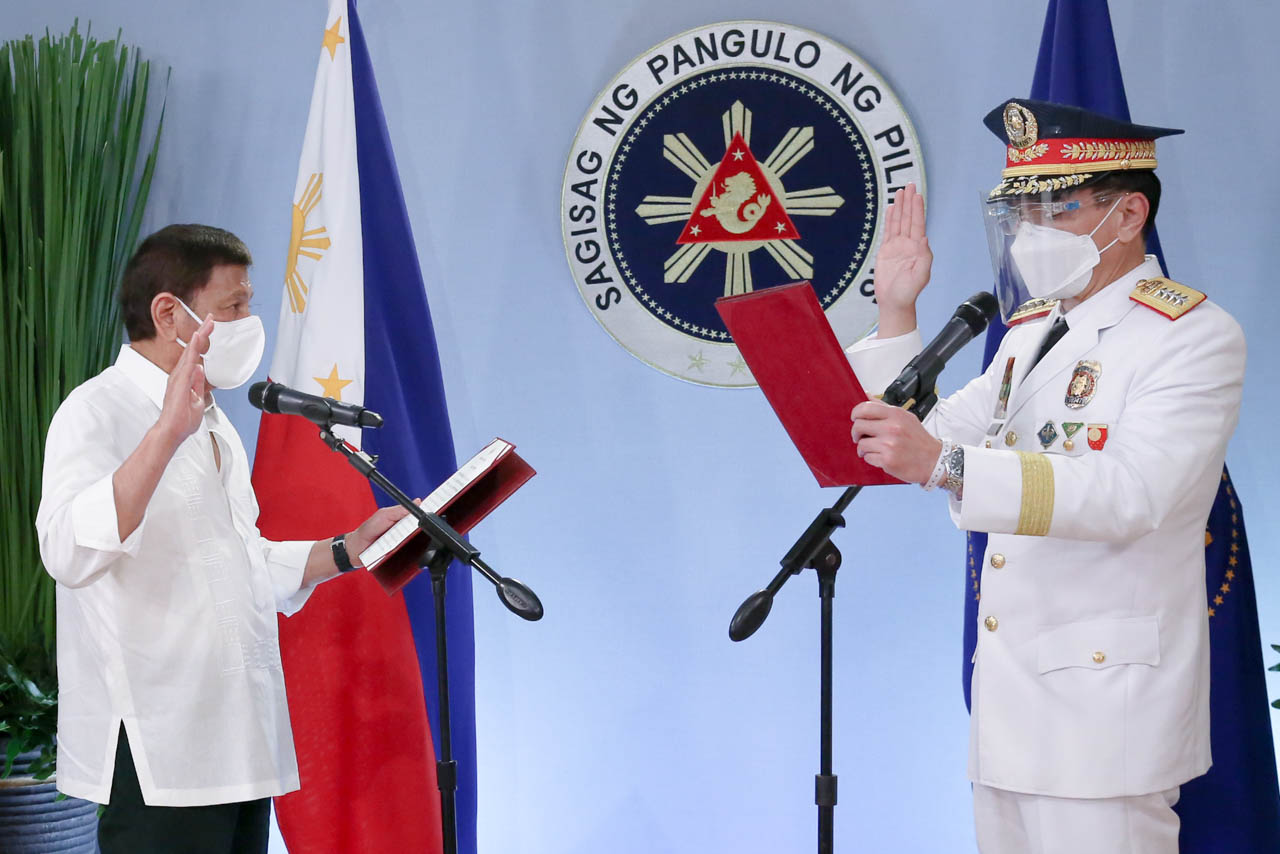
point(332, 39)
point(333, 384)
point(302, 241)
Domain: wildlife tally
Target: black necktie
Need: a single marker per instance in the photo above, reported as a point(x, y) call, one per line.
point(1056, 332)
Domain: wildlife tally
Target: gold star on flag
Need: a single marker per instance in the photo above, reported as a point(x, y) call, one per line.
point(332, 39)
point(332, 384)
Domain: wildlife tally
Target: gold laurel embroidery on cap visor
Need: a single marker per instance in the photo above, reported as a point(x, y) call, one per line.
point(1036, 512)
point(302, 241)
point(1028, 185)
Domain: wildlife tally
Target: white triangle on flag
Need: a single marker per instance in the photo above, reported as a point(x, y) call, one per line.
point(320, 341)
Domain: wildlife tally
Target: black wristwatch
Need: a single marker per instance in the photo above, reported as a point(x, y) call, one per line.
point(340, 556)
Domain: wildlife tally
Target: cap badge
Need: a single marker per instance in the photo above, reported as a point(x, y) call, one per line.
point(1020, 126)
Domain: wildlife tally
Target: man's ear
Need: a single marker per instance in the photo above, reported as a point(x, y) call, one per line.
point(1134, 210)
point(165, 309)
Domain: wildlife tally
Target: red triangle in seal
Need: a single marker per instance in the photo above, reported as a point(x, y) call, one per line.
point(739, 205)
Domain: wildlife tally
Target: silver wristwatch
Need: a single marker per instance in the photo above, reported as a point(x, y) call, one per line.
point(953, 481)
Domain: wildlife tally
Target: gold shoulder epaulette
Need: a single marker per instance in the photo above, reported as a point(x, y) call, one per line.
point(1167, 297)
point(1030, 310)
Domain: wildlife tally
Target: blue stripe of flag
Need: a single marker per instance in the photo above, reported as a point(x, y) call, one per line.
point(403, 382)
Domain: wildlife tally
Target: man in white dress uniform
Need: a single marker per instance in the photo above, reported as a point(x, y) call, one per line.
point(1090, 451)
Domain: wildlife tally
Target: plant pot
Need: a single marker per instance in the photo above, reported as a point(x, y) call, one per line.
point(32, 822)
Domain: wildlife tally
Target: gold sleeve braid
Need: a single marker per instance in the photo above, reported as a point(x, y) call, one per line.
point(1037, 494)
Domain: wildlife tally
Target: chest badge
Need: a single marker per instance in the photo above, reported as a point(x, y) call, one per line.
point(1097, 436)
point(1048, 434)
point(1006, 386)
point(1084, 382)
point(1070, 428)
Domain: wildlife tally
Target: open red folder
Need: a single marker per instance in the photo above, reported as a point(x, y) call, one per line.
point(470, 494)
point(793, 354)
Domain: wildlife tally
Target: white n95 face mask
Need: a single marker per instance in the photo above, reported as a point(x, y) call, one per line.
point(235, 349)
point(1056, 264)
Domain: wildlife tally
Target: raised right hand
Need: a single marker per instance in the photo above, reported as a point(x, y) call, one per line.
point(184, 402)
point(903, 263)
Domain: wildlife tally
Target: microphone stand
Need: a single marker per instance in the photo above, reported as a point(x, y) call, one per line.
point(446, 546)
point(814, 550)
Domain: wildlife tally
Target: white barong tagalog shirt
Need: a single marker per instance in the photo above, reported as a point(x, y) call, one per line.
point(173, 631)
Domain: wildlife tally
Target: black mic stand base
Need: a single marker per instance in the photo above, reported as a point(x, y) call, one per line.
point(814, 550)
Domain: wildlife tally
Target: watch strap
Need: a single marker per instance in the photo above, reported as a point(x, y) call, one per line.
point(340, 556)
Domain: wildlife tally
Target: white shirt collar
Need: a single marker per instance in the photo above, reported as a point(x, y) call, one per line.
point(154, 380)
point(144, 373)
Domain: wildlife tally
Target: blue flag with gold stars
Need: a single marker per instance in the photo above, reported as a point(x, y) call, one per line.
point(1235, 807)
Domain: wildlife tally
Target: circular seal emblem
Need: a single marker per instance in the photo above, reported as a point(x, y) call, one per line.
point(732, 158)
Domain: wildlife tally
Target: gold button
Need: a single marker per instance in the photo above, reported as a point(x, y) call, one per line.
point(1069, 445)
point(988, 443)
point(991, 623)
point(997, 561)
point(1099, 657)
point(1011, 438)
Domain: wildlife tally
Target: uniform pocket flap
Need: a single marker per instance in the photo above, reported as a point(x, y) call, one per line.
point(1097, 644)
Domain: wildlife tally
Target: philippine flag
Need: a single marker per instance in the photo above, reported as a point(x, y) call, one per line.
point(355, 325)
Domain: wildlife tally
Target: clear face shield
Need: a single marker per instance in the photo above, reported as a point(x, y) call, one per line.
point(1037, 250)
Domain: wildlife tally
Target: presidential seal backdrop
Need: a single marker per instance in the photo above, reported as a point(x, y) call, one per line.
point(731, 158)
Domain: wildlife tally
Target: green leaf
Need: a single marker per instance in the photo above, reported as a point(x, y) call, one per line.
point(76, 118)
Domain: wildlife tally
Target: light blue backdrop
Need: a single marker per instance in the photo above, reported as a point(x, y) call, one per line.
point(626, 722)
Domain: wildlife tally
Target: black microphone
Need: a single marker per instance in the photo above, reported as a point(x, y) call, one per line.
point(325, 411)
point(918, 378)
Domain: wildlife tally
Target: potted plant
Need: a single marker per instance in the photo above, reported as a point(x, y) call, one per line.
point(73, 118)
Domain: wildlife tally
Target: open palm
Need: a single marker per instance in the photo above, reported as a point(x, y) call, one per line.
point(904, 260)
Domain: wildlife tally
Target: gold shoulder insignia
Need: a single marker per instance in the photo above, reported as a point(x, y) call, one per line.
point(1167, 297)
point(1030, 310)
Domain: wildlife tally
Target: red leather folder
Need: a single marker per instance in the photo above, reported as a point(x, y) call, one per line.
point(476, 498)
point(793, 354)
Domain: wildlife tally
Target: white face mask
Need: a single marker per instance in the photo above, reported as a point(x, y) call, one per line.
point(1056, 264)
point(235, 349)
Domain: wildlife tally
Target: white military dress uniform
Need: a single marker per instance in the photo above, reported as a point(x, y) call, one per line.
point(1091, 674)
